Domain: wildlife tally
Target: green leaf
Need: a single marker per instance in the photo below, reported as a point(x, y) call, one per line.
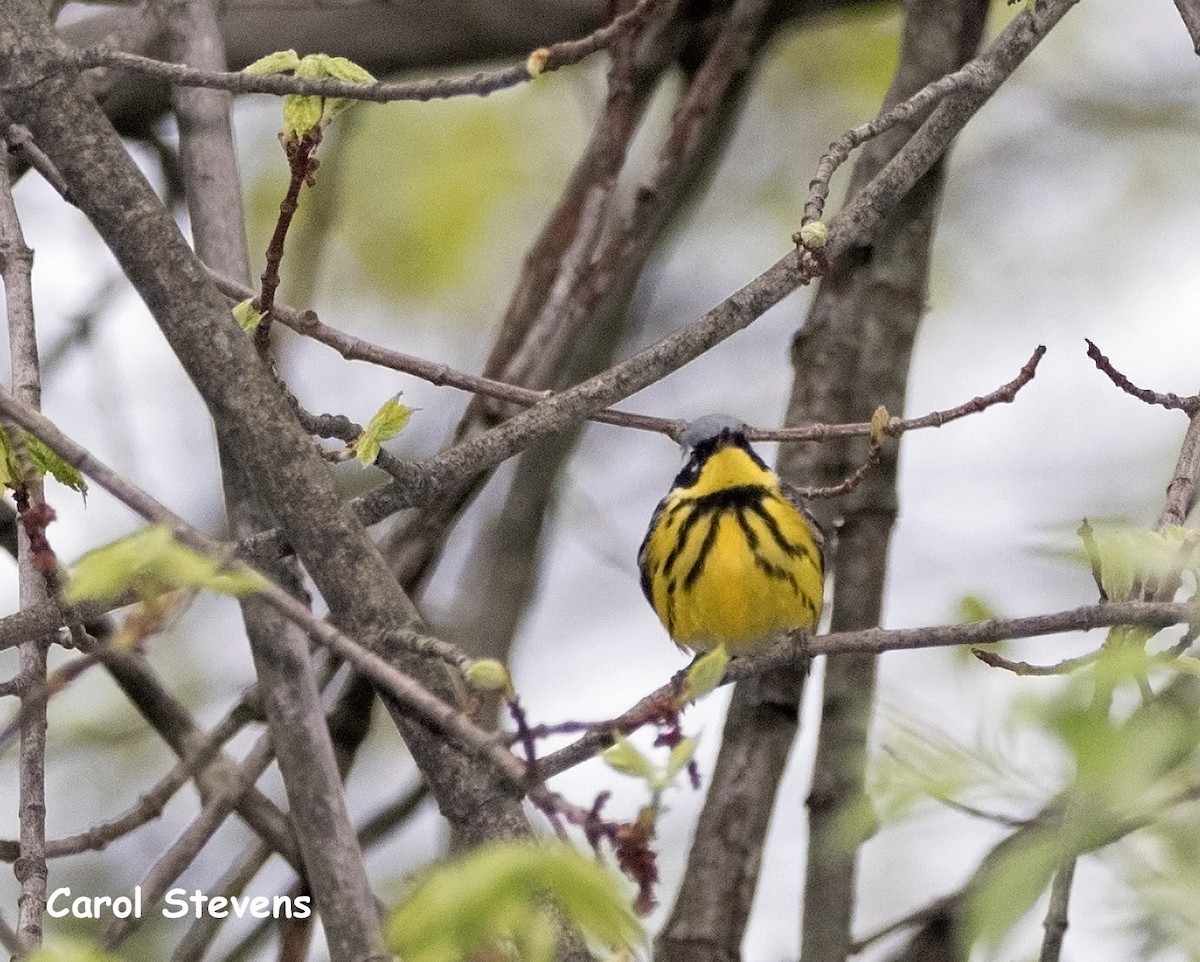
point(706, 673)
point(1128, 556)
point(1010, 886)
point(1187, 664)
point(343, 69)
point(491, 675)
point(48, 462)
point(681, 754)
point(300, 115)
point(69, 950)
point(623, 755)
point(386, 423)
point(152, 562)
point(42, 459)
point(498, 892)
point(813, 235)
point(10, 470)
point(247, 315)
point(282, 61)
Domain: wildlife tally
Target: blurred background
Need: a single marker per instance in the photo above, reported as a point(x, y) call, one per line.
point(1070, 212)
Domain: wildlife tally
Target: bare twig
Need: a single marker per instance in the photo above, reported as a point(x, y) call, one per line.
point(1064, 667)
point(405, 689)
point(19, 139)
point(933, 910)
point(184, 850)
point(1055, 922)
point(1172, 402)
point(302, 167)
point(200, 934)
point(8, 939)
point(480, 84)
point(151, 804)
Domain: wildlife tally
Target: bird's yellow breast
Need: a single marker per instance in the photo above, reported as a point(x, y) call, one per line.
point(730, 560)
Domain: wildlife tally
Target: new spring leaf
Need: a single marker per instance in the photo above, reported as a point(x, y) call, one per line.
point(498, 895)
point(387, 422)
point(42, 459)
point(152, 562)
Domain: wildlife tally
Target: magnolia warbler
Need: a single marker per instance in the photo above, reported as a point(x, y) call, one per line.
point(731, 557)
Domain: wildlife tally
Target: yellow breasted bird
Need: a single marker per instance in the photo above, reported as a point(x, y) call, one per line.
point(731, 557)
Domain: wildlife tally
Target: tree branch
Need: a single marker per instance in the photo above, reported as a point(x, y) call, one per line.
point(16, 262)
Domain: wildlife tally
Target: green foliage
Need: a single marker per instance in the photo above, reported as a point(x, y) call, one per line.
point(151, 563)
point(44, 462)
point(60, 950)
point(972, 607)
point(301, 113)
point(813, 235)
point(706, 673)
point(386, 423)
point(680, 756)
point(282, 61)
point(1011, 882)
point(494, 901)
point(624, 756)
point(247, 315)
point(1162, 870)
point(1126, 772)
point(918, 764)
point(1129, 556)
point(491, 675)
point(855, 53)
point(47, 462)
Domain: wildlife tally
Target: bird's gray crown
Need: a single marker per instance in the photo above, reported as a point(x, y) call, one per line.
point(710, 427)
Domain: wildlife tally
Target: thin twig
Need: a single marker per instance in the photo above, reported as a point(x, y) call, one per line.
point(922, 915)
point(1055, 922)
point(356, 349)
point(302, 166)
point(8, 939)
point(1172, 402)
point(20, 139)
point(1064, 667)
point(184, 850)
point(151, 804)
point(479, 84)
point(400, 685)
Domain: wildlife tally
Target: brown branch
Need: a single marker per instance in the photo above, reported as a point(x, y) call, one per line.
point(851, 481)
point(1189, 10)
point(1172, 402)
point(184, 850)
point(35, 565)
point(799, 648)
point(1181, 491)
point(302, 167)
point(480, 84)
point(151, 804)
point(8, 939)
point(1055, 922)
point(1064, 667)
point(432, 710)
point(442, 716)
point(19, 139)
point(935, 909)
